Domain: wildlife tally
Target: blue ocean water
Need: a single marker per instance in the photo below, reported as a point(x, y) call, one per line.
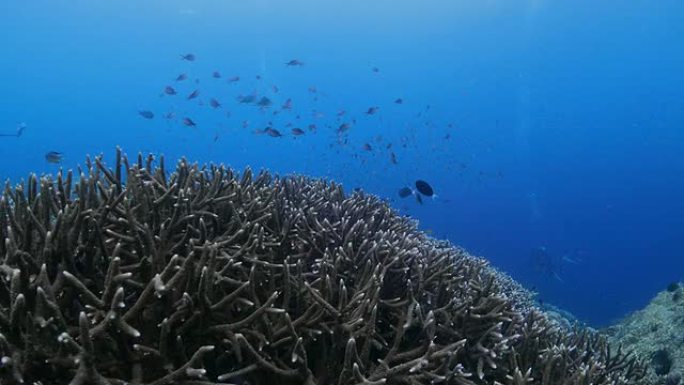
point(551, 131)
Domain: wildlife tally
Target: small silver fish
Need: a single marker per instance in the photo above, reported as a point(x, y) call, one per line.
point(54, 157)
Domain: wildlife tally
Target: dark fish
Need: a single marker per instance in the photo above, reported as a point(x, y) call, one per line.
point(372, 110)
point(419, 199)
point(272, 132)
point(214, 103)
point(54, 157)
point(367, 147)
point(393, 158)
point(264, 102)
point(188, 122)
point(234, 79)
point(247, 99)
point(169, 115)
point(275, 89)
point(312, 127)
point(341, 113)
point(294, 63)
point(193, 94)
point(297, 131)
point(313, 89)
point(188, 57)
point(344, 127)
point(146, 114)
point(424, 188)
point(399, 101)
point(405, 192)
point(216, 75)
point(258, 77)
point(287, 105)
point(169, 90)
point(181, 77)
point(375, 69)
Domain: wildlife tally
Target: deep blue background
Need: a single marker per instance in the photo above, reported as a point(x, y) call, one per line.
point(566, 116)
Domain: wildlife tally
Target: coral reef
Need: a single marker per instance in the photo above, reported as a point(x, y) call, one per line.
point(655, 334)
point(131, 275)
point(561, 316)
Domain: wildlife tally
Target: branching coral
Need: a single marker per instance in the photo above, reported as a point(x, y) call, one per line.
point(131, 275)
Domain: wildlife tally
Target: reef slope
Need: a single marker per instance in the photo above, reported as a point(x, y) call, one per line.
point(133, 275)
point(655, 334)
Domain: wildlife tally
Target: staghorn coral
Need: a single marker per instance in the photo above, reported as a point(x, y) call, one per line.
point(129, 275)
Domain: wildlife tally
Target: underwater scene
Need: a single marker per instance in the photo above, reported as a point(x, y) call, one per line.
point(342, 192)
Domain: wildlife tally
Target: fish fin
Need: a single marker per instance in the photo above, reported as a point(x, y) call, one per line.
point(20, 128)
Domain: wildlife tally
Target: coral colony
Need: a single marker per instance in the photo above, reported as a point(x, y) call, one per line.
point(129, 275)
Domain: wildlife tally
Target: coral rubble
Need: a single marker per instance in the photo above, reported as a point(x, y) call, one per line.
point(655, 334)
point(129, 275)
